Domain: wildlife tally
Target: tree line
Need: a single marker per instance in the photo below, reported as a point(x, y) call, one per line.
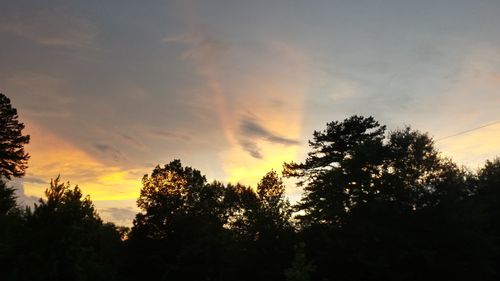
point(376, 205)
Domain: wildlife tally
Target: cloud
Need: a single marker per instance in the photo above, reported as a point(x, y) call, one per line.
point(114, 153)
point(52, 156)
point(169, 135)
point(252, 148)
point(120, 214)
point(133, 141)
point(251, 128)
point(39, 95)
point(251, 131)
point(54, 29)
point(21, 197)
point(206, 52)
point(202, 46)
point(36, 180)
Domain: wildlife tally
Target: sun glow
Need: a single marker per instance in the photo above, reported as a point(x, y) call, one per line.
point(52, 156)
point(474, 147)
point(247, 170)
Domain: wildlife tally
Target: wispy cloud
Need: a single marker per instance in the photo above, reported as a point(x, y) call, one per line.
point(110, 151)
point(206, 52)
point(252, 148)
point(169, 135)
point(36, 180)
point(39, 95)
point(132, 141)
point(250, 128)
point(251, 131)
point(54, 29)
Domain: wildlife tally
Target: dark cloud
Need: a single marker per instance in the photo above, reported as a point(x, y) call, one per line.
point(132, 141)
point(251, 130)
point(252, 148)
point(169, 135)
point(114, 153)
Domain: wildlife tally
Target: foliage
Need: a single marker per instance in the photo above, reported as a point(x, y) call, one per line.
point(301, 268)
point(63, 238)
point(340, 170)
point(371, 199)
point(13, 159)
point(173, 194)
point(190, 227)
point(7, 199)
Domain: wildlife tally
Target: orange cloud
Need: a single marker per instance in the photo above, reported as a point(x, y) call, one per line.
point(51, 156)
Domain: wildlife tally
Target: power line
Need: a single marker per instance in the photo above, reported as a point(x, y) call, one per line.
point(469, 130)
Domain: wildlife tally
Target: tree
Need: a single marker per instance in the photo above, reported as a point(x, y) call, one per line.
point(179, 232)
point(273, 204)
point(173, 194)
point(301, 268)
point(11, 231)
point(13, 159)
point(274, 231)
point(65, 239)
point(413, 172)
point(7, 199)
point(341, 169)
point(487, 200)
point(370, 198)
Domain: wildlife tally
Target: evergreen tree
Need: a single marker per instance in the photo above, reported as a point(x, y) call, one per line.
point(13, 158)
point(341, 169)
point(65, 239)
point(7, 199)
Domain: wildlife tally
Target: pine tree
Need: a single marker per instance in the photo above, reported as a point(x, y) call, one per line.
point(13, 158)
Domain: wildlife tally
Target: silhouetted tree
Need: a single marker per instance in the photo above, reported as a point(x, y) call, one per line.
point(370, 199)
point(488, 202)
point(174, 193)
point(413, 171)
point(241, 207)
point(275, 233)
point(301, 268)
point(65, 239)
point(13, 159)
point(11, 230)
point(261, 226)
point(7, 199)
point(179, 232)
point(340, 170)
point(274, 207)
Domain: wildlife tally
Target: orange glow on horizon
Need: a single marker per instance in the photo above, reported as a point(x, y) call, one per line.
point(473, 148)
point(52, 156)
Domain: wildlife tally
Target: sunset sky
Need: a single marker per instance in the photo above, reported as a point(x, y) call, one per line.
point(109, 89)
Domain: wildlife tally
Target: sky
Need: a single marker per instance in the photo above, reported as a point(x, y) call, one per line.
point(110, 89)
